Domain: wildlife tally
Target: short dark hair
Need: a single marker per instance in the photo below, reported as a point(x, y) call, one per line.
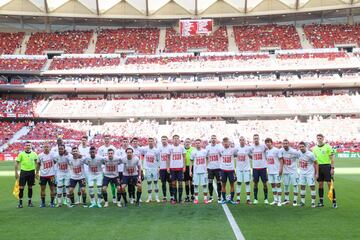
point(74, 147)
point(134, 139)
point(302, 143)
point(132, 150)
point(268, 140)
point(92, 148)
point(150, 138)
point(320, 135)
point(256, 135)
point(225, 139)
point(285, 140)
point(176, 136)
point(164, 137)
point(86, 137)
point(110, 150)
point(62, 145)
point(27, 142)
point(198, 140)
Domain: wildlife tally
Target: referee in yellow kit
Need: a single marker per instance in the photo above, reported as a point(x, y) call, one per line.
point(27, 161)
point(325, 157)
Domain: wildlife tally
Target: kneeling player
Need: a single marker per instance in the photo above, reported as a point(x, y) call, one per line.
point(308, 173)
point(132, 174)
point(46, 165)
point(227, 170)
point(94, 164)
point(111, 176)
point(198, 160)
point(273, 163)
point(243, 170)
point(77, 176)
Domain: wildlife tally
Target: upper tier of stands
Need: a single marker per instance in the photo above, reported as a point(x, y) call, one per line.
point(67, 42)
point(328, 35)
point(217, 42)
point(139, 40)
point(10, 41)
point(253, 37)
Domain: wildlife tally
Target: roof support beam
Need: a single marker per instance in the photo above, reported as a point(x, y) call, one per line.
point(147, 7)
point(97, 8)
point(196, 7)
point(46, 6)
point(246, 6)
point(297, 4)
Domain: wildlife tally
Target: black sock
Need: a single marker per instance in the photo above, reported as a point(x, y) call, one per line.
point(175, 193)
point(163, 186)
point(124, 196)
point(84, 198)
point(266, 193)
point(52, 200)
point(43, 200)
point(72, 198)
point(255, 193)
point(187, 190)
point(180, 190)
point(30, 193)
point(105, 195)
point(223, 194)
point(232, 196)
point(138, 196)
point(118, 195)
point(211, 188)
point(321, 195)
point(218, 186)
point(171, 190)
point(334, 196)
point(21, 193)
point(192, 189)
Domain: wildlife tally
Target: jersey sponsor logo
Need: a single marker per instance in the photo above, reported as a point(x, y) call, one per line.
point(48, 164)
point(303, 164)
point(77, 169)
point(270, 160)
point(63, 166)
point(200, 161)
point(150, 159)
point(177, 156)
point(214, 158)
point(226, 159)
point(110, 168)
point(241, 157)
point(131, 170)
point(257, 156)
point(93, 169)
point(287, 161)
point(164, 157)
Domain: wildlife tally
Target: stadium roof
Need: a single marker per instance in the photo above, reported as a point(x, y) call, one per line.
point(161, 9)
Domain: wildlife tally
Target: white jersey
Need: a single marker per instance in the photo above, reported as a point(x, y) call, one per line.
point(94, 165)
point(77, 171)
point(151, 159)
point(84, 151)
point(132, 166)
point(258, 156)
point(137, 151)
point(164, 154)
point(111, 167)
point(62, 164)
point(103, 150)
point(272, 160)
point(120, 153)
point(177, 157)
point(242, 158)
point(290, 158)
point(199, 160)
point(306, 163)
point(213, 154)
point(47, 165)
point(227, 159)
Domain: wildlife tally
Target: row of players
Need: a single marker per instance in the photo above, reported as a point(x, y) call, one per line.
point(64, 168)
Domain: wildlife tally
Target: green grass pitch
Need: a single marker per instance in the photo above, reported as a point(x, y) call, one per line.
point(186, 221)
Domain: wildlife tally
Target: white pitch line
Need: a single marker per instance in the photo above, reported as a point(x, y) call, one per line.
point(234, 226)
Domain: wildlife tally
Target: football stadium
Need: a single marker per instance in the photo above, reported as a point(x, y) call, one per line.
point(179, 119)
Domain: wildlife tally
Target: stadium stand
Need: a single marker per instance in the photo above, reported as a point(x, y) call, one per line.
point(19, 64)
point(10, 41)
point(65, 63)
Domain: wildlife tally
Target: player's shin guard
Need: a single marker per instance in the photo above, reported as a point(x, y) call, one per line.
point(196, 189)
point(124, 196)
point(218, 188)
point(286, 191)
point(180, 190)
point(187, 189)
point(334, 196)
point(296, 192)
point(163, 187)
point(72, 199)
point(118, 196)
point(105, 196)
point(84, 198)
point(21, 195)
point(256, 193)
point(211, 188)
point(99, 193)
point(313, 196)
point(274, 193)
point(92, 195)
point(232, 196)
point(247, 189)
point(138, 196)
point(30, 193)
point(149, 190)
point(321, 195)
point(156, 187)
point(238, 188)
point(192, 190)
point(131, 190)
point(302, 194)
point(265, 193)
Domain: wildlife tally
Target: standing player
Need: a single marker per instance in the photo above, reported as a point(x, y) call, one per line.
point(288, 168)
point(151, 165)
point(137, 152)
point(84, 152)
point(164, 154)
point(120, 153)
point(213, 155)
point(46, 166)
point(111, 176)
point(177, 169)
point(132, 174)
point(325, 157)
point(243, 169)
point(62, 175)
point(77, 175)
point(189, 187)
point(95, 174)
point(103, 152)
point(273, 164)
point(308, 171)
point(27, 160)
point(198, 171)
point(257, 153)
point(227, 167)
